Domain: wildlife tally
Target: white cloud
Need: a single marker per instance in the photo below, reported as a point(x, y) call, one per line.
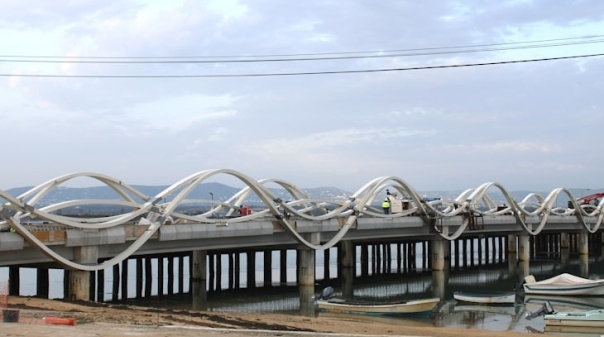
point(329, 141)
point(176, 114)
point(313, 130)
point(503, 147)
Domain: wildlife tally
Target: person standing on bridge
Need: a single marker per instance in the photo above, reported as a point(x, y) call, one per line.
point(386, 206)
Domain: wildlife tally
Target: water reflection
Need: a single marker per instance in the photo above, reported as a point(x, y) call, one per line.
point(388, 320)
point(450, 313)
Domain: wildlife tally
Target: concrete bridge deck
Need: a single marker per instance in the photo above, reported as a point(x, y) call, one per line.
point(153, 225)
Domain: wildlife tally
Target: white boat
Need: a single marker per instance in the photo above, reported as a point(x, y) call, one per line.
point(337, 305)
point(485, 298)
point(567, 302)
point(586, 319)
point(564, 284)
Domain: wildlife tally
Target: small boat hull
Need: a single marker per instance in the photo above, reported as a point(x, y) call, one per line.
point(485, 298)
point(564, 284)
point(587, 319)
point(572, 302)
point(421, 306)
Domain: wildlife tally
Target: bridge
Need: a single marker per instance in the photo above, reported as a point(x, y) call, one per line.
point(37, 235)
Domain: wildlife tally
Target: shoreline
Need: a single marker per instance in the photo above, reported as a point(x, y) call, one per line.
point(105, 320)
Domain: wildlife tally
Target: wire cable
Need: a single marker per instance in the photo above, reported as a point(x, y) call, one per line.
point(306, 73)
point(307, 57)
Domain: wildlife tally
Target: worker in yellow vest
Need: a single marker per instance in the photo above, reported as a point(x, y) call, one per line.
point(386, 206)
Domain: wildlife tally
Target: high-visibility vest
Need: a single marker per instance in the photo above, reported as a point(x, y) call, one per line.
point(385, 204)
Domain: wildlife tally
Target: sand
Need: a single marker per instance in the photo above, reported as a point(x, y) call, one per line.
point(105, 320)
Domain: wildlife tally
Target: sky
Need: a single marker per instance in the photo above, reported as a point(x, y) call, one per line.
point(318, 93)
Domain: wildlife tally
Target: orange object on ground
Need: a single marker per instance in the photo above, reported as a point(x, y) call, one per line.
point(59, 320)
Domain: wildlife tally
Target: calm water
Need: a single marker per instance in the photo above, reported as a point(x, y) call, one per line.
point(285, 299)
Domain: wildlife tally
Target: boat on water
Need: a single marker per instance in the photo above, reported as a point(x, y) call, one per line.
point(587, 319)
point(504, 310)
point(338, 305)
point(485, 298)
point(568, 302)
point(564, 284)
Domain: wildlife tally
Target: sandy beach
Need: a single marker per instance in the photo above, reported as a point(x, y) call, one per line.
point(104, 320)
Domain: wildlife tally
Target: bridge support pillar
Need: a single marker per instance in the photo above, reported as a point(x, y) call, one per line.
point(306, 274)
point(438, 254)
point(583, 243)
point(512, 247)
point(347, 267)
point(14, 280)
point(306, 267)
point(198, 279)
point(79, 280)
point(584, 253)
point(564, 247)
point(524, 248)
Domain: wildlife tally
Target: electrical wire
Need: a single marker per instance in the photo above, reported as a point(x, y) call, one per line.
point(307, 57)
point(306, 73)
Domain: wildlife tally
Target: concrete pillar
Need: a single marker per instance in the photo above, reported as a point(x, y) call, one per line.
point(251, 269)
point(79, 280)
point(42, 282)
point(14, 280)
point(439, 281)
point(523, 270)
point(181, 274)
point(100, 294)
point(237, 270)
point(524, 248)
point(283, 266)
point(512, 244)
point(116, 283)
point(306, 267)
point(438, 254)
point(584, 265)
point(447, 252)
point(198, 279)
point(218, 271)
point(306, 274)
point(139, 277)
point(347, 269)
point(512, 250)
point(170, 289)
point(326, 266)
point(564, 247)
point(124, 280)
point(583, 243)
point(268, 268)
point(148, 276)
point(584, 253)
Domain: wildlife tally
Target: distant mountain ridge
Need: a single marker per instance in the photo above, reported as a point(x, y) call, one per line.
point(221, 192)
point(206, 191)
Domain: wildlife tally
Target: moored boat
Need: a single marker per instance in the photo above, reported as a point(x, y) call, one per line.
point(486, 298)
point(419, 306)
point(564, 284)
point(589, 319)
point(570, 302)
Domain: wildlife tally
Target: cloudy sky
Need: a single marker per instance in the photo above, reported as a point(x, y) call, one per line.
point(319, 93)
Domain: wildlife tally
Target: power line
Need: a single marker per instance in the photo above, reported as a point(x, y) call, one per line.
point(305, 73)
point(305, 57)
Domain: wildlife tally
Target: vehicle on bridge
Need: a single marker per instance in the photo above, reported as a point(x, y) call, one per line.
point(591, 200)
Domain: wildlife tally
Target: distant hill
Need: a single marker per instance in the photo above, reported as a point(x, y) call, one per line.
point(206, 191)
point(221, 192)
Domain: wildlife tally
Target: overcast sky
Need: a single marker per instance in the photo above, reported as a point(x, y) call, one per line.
point(532, 126)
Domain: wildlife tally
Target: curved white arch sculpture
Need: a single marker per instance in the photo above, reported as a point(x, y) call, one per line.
point(361, 203)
